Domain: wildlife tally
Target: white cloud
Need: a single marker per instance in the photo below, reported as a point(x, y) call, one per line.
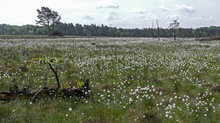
point(164, 8)
point(139, 14)
point(138, 11)
point(108, 4)
point(178, 7)
point(185, 8)
point(111, 16)
point(87, 17)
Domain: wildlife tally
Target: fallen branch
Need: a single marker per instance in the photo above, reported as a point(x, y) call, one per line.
point(35, 95)
point(82, 92)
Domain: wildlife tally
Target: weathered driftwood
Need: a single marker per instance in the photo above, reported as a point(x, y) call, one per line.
point(82, 92)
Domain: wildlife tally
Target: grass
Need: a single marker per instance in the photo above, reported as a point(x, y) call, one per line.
point(132, 80)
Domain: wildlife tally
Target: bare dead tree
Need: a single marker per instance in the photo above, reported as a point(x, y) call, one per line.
point(152, 31)
point(174, 26)
point(158, 29)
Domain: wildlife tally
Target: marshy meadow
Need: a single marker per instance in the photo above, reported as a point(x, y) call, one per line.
point(131, 80)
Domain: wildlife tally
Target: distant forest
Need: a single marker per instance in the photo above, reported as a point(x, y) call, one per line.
point(103, 30)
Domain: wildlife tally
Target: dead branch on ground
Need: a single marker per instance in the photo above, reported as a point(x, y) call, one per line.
point(33, 95)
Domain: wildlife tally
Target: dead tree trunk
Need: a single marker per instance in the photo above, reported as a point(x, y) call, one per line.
point(158, 30)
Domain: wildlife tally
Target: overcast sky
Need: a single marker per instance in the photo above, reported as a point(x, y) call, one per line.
point(117, 13)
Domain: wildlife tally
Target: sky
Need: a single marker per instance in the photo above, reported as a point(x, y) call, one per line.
point(117, 13)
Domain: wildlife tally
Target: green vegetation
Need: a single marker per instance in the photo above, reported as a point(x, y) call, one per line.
point(103, 30)
point(132, 79)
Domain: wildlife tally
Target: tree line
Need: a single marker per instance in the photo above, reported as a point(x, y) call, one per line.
point(103, 30)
